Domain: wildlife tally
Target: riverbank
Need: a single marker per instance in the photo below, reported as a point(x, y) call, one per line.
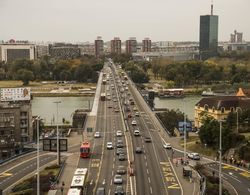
point(54, 88)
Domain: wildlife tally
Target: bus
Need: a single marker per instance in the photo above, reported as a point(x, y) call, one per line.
point(103, 96)
point(85, 150)
point(78, 184)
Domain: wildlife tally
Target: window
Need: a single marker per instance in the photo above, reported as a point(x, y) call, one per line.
point(232, 109)
point(213, 109)
point(206, 107)
point(222, 110)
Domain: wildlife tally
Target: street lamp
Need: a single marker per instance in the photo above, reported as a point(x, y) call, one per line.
point(185, 137)
point(220, 150)
point(57, 133)
point(237, 119)
point(38, 148)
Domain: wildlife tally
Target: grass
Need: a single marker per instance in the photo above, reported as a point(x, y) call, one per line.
point(27, 186)
point(194, 144)
point(247, 135)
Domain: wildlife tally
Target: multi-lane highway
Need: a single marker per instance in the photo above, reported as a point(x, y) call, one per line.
point(124, 110)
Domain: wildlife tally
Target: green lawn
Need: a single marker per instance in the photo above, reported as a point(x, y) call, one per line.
point(193, 144)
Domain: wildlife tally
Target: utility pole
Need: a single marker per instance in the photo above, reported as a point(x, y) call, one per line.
point(57, 133)
point(38, 148)
point(220, 149)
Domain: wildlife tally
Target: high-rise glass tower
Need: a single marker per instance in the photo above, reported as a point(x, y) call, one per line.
point(208, 35)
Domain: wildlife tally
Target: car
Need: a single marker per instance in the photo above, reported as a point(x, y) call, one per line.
point(138, 150)
point(119, 151)
point(129, 115)
point(97, 134)
point(119, 145)
point(121, 157)
point(109, 145)
point(118, 133)
point(137, 114)
point(147, 139)
point(135, 109)
point(118, 179)
point(119, 190)
point(167, 146)
point(109, 106)
point(121, 170)
point(116, 109)
point(114, 100)
point(100, 191)
point(133, 122)
point(194, 156)
point(136, 132)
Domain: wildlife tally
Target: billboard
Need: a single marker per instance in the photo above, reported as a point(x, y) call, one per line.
point(15, 94)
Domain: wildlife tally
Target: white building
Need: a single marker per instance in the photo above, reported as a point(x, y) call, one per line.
point(17, 50)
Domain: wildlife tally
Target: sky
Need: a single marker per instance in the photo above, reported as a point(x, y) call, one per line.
point(83, 20)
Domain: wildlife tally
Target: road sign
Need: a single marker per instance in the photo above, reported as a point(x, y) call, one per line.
point(51, 145)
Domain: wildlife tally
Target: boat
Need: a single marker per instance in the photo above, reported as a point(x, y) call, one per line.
point(171, 93)
point(208, 92)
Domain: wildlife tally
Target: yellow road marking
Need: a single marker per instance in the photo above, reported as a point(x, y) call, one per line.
point(245, 174)
point(230, 167)
point(174, 186)
point(6, 174)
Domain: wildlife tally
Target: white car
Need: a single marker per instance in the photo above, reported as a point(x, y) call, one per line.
point(137, 114)
point(118, 179)
point(97, 134)
point(136, 132)
point(109, 145)
point(167, 146)
point(134, 122)
point(118, 133)
point(194, 156)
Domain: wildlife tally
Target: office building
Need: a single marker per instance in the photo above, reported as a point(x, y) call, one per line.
point(146, 45)
point(116, 46)
point(208, 35)
point(13, 50)
point(131, 45)
point(99, 48)
point(64, 51)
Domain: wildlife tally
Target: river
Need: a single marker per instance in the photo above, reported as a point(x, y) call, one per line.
point(185, 104)
point(47, 109)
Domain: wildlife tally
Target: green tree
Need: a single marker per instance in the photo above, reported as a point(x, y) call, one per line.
point(25, 76)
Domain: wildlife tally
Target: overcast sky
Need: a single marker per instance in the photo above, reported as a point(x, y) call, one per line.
point(84, 20)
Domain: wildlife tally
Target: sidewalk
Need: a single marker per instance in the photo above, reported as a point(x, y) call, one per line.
point(190, 185)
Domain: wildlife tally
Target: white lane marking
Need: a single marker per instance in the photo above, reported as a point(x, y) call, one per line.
point(147, 172)
point(151, 191)
point(109, 192)
point(103, 183)
point(149, 181)
point(111, 182)
point(146, 163)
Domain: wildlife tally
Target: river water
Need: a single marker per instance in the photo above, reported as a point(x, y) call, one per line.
point(47, 109)
point(185, 104)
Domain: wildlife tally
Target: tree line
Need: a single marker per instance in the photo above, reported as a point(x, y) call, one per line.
point(84, 69)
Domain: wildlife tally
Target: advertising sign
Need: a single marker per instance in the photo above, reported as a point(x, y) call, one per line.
point(15, 94)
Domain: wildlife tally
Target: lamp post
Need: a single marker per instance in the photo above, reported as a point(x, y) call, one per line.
point(185, 138)
point(57, 133)
point(220, 150)
point(237, 119)
point(38, 148)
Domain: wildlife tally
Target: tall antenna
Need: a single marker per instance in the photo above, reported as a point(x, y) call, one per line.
point(212, 7)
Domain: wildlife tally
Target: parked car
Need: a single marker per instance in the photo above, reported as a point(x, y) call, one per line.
point(137, 114)
point(194, 156)
point(119, 151)
point(167, 146)
point(100, 191)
